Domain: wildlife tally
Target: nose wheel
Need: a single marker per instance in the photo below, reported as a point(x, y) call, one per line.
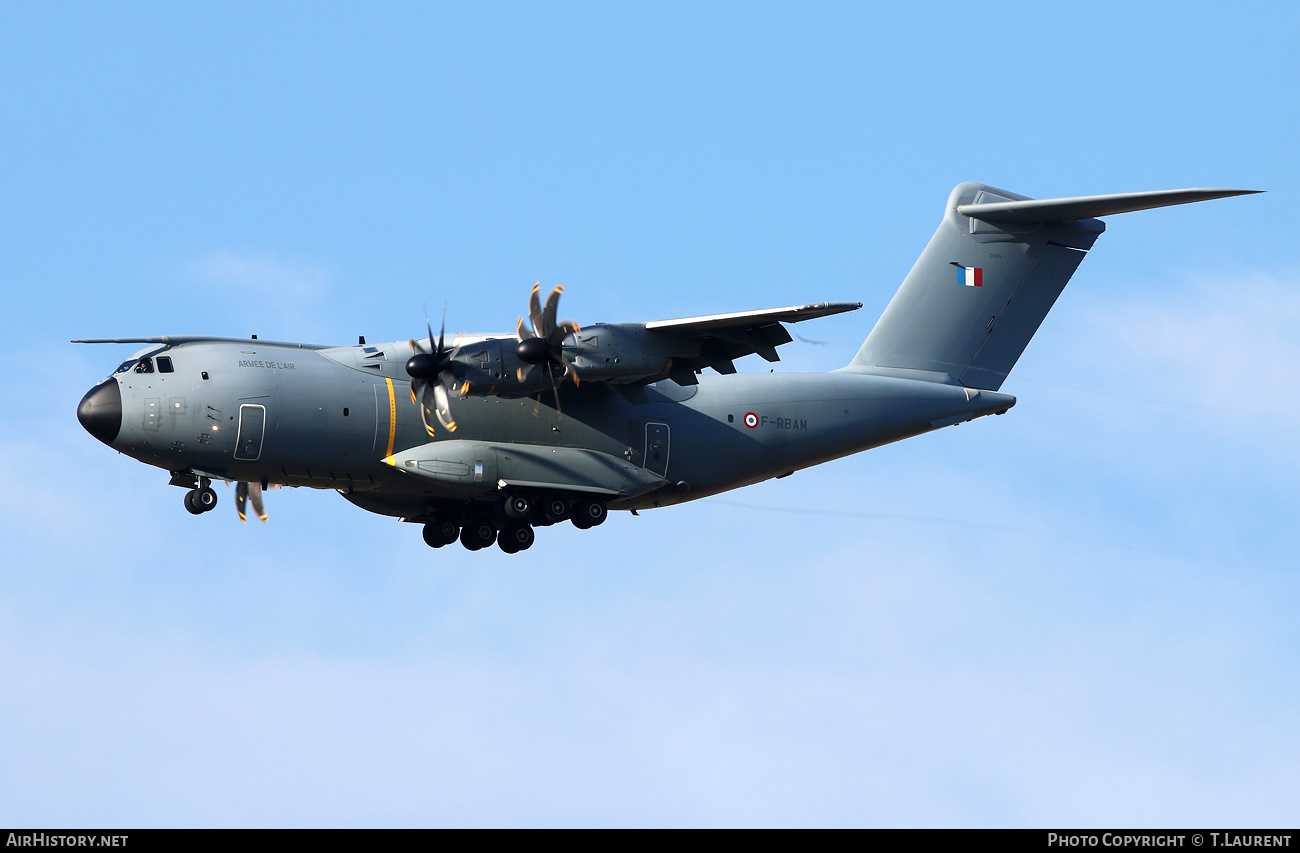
point(199, 501)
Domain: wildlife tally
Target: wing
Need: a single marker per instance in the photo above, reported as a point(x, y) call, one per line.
point(754, 319)
point(723, 338)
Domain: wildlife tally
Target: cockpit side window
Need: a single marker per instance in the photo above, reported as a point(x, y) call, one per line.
point(124, 367)
point(145, 365)
point(165, 364)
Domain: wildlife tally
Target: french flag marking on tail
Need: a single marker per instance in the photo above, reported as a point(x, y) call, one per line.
point(971, 276)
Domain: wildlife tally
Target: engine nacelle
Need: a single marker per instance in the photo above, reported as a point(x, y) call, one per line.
point(620, 353)
point(623, 352)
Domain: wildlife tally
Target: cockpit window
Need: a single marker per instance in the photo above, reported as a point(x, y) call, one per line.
point(165, 364)
point(125, 366)
point(145, 365)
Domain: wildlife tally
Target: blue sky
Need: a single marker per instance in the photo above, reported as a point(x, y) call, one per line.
point(1082, 613)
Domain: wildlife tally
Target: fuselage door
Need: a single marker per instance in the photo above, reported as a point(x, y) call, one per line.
point(252, 426)
point(656, 449)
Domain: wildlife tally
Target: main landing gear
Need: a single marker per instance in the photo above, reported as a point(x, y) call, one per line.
point(511, 527)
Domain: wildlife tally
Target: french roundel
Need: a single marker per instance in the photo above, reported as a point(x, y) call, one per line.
point(751, 420)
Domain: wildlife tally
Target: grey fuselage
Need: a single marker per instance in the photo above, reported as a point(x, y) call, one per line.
point(320, 417)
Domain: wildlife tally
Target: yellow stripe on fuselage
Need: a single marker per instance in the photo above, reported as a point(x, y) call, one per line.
point(392, 418)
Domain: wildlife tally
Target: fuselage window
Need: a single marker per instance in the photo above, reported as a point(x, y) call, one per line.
point(145, 365)
point(165, 364)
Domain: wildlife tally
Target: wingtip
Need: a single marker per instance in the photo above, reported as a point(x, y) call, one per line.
point(1227, 192)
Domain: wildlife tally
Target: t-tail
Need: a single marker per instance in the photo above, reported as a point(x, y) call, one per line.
point(992, 271)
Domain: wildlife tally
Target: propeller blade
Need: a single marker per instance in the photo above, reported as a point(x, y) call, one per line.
point(424, 419)
point(555, 389)
point(570, 370)
point(443, 410)
point(255, 494)
point(452, 384)
point(442, 330)
point(241, 496)
point(531, 373)
point(522, 332)
point(548, 313)
point(560, 332)
point(428, 327)
point(535, 311)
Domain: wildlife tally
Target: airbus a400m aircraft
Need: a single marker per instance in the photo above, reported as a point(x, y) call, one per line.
point(485, 438)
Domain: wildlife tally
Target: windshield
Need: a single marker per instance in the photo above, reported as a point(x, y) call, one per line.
point(141, 365)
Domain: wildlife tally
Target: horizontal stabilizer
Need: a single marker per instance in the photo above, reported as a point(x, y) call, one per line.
point(1090, 206)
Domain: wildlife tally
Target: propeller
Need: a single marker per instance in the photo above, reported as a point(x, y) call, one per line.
point(542, 346)
point(249, 493)
point(432, 374)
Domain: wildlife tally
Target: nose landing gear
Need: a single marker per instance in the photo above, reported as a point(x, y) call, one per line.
point(200, 500)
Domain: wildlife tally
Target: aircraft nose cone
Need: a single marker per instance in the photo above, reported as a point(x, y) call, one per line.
point(100, 411)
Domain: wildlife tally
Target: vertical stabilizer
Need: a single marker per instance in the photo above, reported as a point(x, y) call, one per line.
point(990, 274)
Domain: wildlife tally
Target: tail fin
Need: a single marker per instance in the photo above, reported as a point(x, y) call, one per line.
point(992, 271)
